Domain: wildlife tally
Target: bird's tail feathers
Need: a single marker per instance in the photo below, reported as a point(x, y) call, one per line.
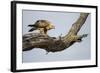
point(32, 29)
point(31, 25)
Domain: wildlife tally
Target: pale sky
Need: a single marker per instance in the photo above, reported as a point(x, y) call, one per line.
point(62, 22)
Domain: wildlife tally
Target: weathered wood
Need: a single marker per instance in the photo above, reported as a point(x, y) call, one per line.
point(54, 44)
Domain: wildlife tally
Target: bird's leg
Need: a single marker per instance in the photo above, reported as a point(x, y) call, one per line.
point(45, 31)
point(41, 30)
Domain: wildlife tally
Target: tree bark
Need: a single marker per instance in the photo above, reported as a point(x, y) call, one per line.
point(54, 44)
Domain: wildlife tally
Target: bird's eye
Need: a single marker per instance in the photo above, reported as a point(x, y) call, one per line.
point(38, 21)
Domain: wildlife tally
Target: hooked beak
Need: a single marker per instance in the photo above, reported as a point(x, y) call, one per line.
point(53, 27)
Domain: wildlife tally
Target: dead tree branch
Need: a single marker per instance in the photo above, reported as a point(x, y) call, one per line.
point(54, 44)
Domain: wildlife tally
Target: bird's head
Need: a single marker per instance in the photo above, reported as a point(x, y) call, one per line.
point(45, 23)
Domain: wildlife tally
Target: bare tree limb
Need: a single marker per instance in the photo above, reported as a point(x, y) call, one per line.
point(54, 44)
point(78, 24)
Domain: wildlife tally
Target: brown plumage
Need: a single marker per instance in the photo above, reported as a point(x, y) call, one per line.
point(42, 25)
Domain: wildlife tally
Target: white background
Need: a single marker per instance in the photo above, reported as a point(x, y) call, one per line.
point(5, 37)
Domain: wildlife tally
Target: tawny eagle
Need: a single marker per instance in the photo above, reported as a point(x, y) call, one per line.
point(42, 25)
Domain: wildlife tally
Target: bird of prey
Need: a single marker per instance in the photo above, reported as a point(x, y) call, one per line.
point(42, 25)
